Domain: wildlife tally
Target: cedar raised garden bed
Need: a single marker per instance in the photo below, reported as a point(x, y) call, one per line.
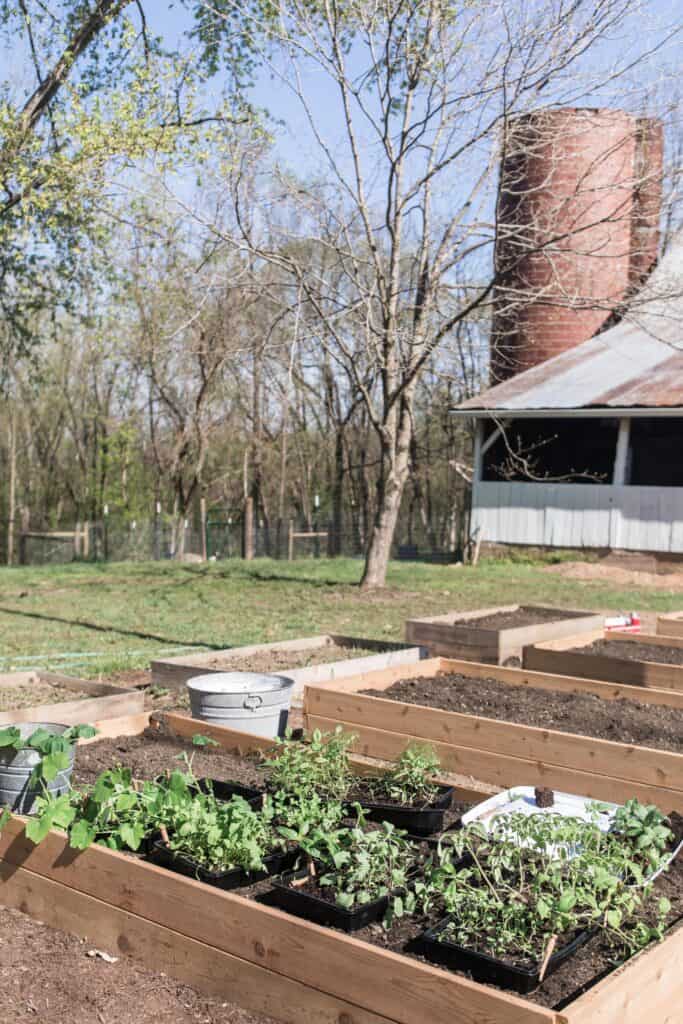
point(314, 659)
point(50, 697)
point(270, 962)
point(496, 751)
point(670, 625)
point(648, 660)
point(497, 634)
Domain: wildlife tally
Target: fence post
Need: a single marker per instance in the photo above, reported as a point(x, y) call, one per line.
point(290, 541)
point(248, 530)
point(85, 539)
point(202, 516)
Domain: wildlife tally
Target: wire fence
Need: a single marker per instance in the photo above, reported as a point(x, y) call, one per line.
point(118, 539)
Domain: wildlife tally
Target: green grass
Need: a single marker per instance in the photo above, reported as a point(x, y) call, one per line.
point(126, 613)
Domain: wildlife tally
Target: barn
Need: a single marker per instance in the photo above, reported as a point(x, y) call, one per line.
point(585, 450)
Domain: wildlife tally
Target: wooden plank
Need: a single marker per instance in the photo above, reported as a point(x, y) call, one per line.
point(176, 671)
point(514, 677)
point(456, 634)
point(128, 725)
point(654, 639)
point(385, 983)
point(73, 712)
point(195, 963)
point(544, 658)
point(504, 770)
point(603, 757)
point(97, 689)
point(229, 739)
point(560, 684)
point(647, 988)
point(670, 625)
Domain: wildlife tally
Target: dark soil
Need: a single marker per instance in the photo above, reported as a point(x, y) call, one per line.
point(634, 651)
point(624, 721)
point(46, 977)
point(525, 615)
point(151, 754)
point(364, 792)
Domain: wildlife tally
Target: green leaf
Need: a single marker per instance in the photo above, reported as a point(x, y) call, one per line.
point(10, 737)
point(82, 835)
point(613, 918)
point(37, 828)
point(5, 816)
point(55, 763)
point(199, 740)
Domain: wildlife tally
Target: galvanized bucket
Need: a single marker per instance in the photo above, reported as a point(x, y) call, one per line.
point(16, 767)
point(248, 701)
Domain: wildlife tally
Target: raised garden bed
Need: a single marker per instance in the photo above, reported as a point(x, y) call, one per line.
point(315, 659)
point(50, 697)
point(270, 962)
point(497, 634)
point(645, 660)
point(492, 750)
point(670, 625)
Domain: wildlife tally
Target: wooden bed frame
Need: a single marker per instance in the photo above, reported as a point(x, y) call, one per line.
point(106, 700)
point(457, 635)
point(270, 962)
point(567, 657)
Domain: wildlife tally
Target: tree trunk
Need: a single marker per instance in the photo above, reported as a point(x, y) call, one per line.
point(389, 493)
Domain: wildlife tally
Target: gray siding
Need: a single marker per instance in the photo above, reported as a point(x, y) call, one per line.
point(579, 515)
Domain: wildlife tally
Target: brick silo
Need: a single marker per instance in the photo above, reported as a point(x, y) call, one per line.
point(577, 227)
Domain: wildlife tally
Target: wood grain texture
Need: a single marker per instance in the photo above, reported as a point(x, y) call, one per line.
point(195, 963)
point(505, 770)
point(85, 711)
point(547, 658)
point(670, 625)
point(384, 983)
point(457, 634)
point(602, 757)
point(646, 990)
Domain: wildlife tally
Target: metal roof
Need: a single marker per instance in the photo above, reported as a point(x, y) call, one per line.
point(635, 367)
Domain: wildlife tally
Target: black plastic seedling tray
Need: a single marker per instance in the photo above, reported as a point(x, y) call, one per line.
point(233, 878)
point(488, 969)
point(321, 911)
point(226, 790)
point(418, 821)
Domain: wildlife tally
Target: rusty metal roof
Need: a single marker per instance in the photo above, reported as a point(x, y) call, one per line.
point(635, 367)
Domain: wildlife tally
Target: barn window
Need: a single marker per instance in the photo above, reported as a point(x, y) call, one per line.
point(655, 452)
point(573, 450)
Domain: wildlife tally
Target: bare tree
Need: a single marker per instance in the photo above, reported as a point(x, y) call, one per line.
point(426, 94)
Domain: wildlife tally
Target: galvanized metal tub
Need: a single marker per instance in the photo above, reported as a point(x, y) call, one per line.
point(247, 701)
point(16, 767)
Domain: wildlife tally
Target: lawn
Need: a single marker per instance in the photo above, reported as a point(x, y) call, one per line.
point(94, 619)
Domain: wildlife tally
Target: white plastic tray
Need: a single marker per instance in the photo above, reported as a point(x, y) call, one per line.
point(522, 800)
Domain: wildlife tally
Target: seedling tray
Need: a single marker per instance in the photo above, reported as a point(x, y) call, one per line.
point(232, 878)
point(227, 790)
point(488, 969)
point(419, 821)
point(314, 908)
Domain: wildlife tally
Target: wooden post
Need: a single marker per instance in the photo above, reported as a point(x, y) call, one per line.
point(621, 455)
point(85, 539)
point(77, 539)
point(248, 530)
point(290, 541)
point(202, 516)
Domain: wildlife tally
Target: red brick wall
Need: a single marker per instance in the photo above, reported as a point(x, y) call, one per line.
point(576, 229)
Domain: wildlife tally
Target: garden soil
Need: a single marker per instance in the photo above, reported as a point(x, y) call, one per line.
point(151, 754)
point(47, 977)
point(623, 721)
point(523, 616)
point(635, 651)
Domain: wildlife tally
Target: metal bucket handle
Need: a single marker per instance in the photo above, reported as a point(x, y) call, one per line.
point(252, 701)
